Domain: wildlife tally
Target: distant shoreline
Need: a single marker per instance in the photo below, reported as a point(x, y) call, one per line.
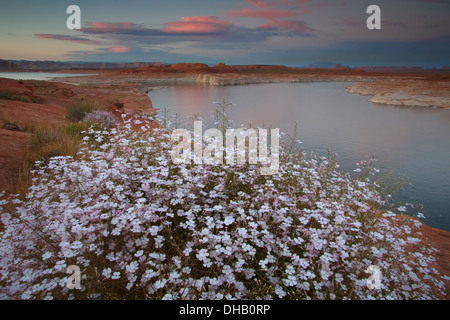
point(421, 89)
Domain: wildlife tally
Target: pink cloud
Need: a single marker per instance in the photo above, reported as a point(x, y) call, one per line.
point(275, 11)
point(282, 8)
point(206, 24)
point(119, 49)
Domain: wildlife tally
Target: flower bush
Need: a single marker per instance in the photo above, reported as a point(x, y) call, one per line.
point(141, 227)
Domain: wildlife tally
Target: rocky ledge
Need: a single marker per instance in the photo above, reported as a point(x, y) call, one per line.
point(420, 92)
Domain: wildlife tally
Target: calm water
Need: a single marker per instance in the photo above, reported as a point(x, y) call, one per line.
point(413, 142)
point(38, 75)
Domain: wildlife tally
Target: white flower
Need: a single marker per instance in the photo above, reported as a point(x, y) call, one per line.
point(107, 273)
point(167, 296)
point(228, 220)
point(160, 283)
point(290, 281)
point(202, 254)
point(279, 292)
point(139, 253)
point(47, 255)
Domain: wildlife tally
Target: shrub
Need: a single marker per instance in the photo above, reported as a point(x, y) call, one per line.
point(79, 109)
point(47, 142)
point(142, 227)
point(8, 95)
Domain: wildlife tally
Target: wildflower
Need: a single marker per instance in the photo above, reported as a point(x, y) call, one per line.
point(115, 275)
point(46, 255)
point(107, 273)
point(279, 292)
point(160, 283)
point(202, 254)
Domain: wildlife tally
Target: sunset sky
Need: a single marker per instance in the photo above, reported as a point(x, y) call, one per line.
point(284, 32)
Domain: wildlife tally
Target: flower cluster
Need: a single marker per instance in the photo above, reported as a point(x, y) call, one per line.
point(141, 227)
point(105, 118)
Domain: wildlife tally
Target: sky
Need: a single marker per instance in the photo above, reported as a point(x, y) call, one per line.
point(278, 32)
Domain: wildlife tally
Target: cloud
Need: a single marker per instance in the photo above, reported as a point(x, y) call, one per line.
point(111, 25)
point(297, 27)
point(264, 14)
point(203, 29)
point(119, 49)
point(201, 25)
point(293, 7)
point(275, 12)
point(66, 38)
point(196, 25)
point(117, 28)
point(194, 36)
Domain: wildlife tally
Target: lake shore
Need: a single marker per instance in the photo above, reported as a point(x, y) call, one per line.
point(401, 89)
point(121, 92)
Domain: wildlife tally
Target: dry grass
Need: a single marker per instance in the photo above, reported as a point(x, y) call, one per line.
point(47, 142)
point(78, 109)
point(8, 95)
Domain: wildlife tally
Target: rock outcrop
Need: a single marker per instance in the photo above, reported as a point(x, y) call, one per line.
point(419, 92)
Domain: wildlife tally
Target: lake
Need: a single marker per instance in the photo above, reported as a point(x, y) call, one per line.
point(412, 142)
point(38, 75)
